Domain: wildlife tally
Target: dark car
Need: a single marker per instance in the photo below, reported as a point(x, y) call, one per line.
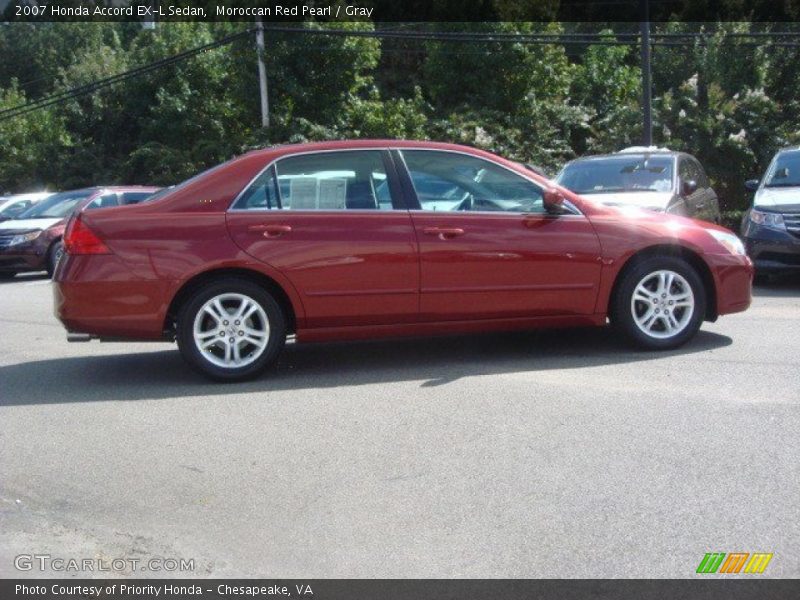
point(32, 240)
point(652, 178)
point(771, 228)
point(299, 240)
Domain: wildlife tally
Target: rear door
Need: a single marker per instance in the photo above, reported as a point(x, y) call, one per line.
point(333, 222)
point(488, 248)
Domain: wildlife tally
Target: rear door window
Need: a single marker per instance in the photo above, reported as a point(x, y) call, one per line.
point(343, 180)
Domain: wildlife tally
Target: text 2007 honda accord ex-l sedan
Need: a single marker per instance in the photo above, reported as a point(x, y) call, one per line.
point(365, 239)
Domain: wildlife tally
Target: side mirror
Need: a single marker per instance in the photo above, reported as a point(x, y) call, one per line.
point(553, 200)
point(689, 187)
point(751, 184)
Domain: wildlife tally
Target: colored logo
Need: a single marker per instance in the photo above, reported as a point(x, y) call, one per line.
point(735, 562)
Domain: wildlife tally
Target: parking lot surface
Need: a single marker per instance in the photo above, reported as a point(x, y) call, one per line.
point(550, 454)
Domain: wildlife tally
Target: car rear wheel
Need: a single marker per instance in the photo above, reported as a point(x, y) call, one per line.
point(231, 330)
point(55, 254)
point(660, 303)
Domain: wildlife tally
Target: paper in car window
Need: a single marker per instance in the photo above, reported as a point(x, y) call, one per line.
point(303, 193)
point(332, 194)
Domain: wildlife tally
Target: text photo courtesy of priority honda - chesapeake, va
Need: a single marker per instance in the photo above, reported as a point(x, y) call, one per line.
point(366, 300)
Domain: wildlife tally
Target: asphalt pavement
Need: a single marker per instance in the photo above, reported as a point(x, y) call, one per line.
point(549, 454)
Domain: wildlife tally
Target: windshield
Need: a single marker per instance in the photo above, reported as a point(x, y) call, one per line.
point(57, 206)
point(629, 173)
point(786, 171)
point(8, 210)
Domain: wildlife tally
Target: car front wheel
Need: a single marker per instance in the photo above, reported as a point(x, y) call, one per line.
point(660, 303)
point(231, 330)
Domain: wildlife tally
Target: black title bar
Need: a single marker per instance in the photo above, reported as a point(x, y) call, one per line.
point(607, 11)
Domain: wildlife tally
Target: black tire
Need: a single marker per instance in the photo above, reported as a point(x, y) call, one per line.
point(622, 310)
point(200, 360)
point(8, 274)
point(53, 256)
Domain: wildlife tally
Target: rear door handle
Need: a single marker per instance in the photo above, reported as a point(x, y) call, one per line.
point(444, 233)
point(269, 231)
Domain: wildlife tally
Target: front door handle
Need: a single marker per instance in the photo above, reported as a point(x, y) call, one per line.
point(270, 231)
point(444, 233)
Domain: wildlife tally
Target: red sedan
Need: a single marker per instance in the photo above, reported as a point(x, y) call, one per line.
point(365, 239)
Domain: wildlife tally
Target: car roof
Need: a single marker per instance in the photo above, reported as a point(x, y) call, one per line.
point(131, 188)
point(231, 177)
point(284, 149)
point(27, 196)
point(624, 155)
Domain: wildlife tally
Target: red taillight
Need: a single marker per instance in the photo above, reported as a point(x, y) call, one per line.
point(79, 239)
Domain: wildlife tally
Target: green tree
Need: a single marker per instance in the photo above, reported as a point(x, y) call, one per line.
point(498, 76)
point(29, 144)
point(608, 86)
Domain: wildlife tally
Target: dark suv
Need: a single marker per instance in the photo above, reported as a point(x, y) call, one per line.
point(771, 228)
point(645, 177)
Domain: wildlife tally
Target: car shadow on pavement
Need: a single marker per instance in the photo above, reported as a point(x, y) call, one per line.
point(783, 286)
point(431, 361)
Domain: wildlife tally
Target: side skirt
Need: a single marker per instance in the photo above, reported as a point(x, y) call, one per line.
point(327, 334)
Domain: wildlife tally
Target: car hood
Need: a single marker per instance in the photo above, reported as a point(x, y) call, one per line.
point(28, 224)
point(652, 200)
point(778, 197)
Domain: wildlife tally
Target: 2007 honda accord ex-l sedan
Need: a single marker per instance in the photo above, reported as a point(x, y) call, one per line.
point(366, 239)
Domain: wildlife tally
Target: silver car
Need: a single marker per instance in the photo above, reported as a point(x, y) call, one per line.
point(645, 177)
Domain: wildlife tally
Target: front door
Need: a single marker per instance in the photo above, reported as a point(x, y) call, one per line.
point(333, 224)
point(488, 248)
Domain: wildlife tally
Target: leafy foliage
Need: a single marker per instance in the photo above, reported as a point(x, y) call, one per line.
point(729, 103)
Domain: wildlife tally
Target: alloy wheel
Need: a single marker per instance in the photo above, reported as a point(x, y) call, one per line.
point(662, 304)
point(231, 330)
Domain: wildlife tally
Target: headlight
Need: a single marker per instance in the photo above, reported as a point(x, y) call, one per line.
point(767, 219)
point(731, 242)
point(25, 237)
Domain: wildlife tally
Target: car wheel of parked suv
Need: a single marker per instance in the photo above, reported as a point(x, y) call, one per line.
point(56, 252)
point(231, 329)
point(660, 303)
